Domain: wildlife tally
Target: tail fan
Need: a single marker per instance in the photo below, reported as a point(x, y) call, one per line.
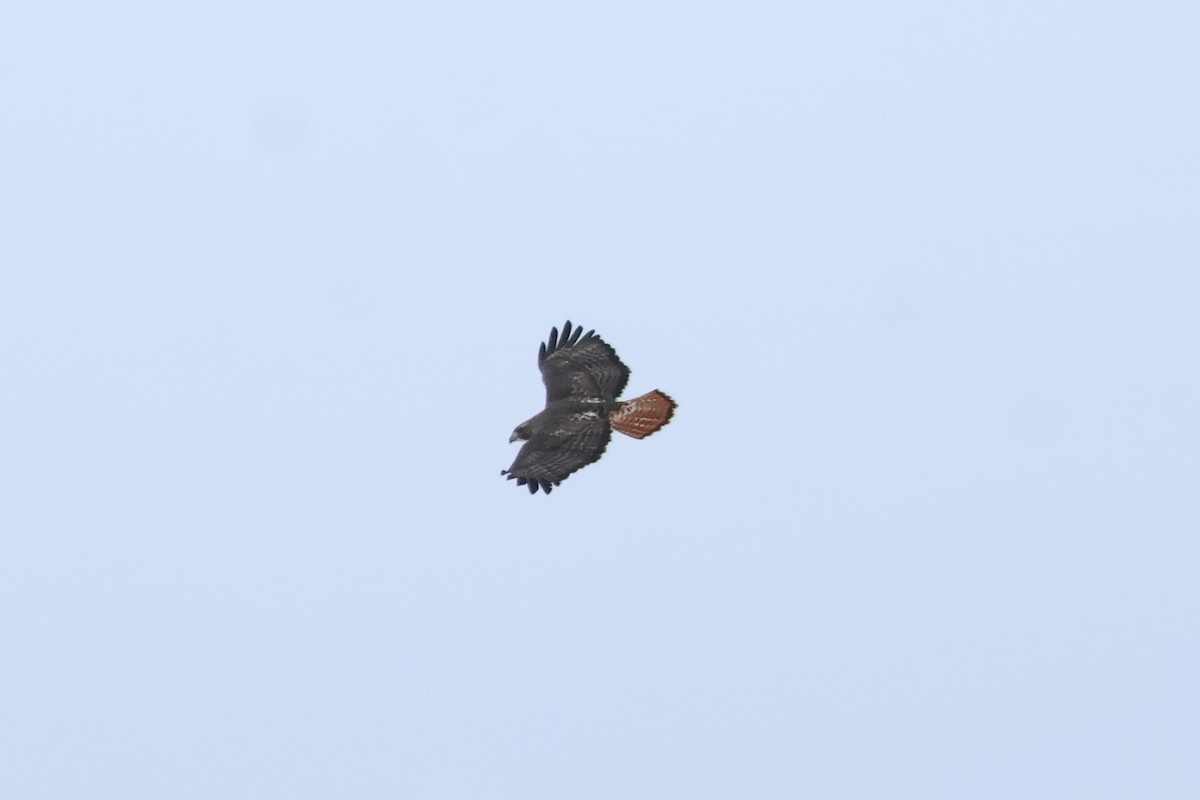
point(643, 415)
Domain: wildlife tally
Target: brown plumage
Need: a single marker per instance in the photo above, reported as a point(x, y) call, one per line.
point(583, 378)
point(643, 415)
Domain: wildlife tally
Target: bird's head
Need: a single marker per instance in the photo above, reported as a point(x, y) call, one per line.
point(521, 432)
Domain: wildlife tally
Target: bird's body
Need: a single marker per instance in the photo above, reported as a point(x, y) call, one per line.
point(583, 378)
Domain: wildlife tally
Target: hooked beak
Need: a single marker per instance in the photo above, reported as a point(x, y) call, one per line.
point(513, 438)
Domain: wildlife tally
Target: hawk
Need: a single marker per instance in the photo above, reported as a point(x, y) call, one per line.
point(583, 378)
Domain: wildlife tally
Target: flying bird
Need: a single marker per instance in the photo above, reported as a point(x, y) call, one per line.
point(583, 378)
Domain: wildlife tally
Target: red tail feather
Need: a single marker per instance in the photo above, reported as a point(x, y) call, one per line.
point(643, 415)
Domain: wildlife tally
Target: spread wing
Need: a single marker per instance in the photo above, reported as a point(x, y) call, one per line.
point(567, 442)
point(580, 365)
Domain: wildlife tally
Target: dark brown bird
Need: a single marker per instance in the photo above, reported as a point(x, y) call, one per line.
point(583, 378)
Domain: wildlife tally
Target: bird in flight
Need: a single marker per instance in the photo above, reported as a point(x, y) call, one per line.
point(583, 378)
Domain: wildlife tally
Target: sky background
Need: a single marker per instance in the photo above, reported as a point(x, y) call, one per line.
point(924, 278)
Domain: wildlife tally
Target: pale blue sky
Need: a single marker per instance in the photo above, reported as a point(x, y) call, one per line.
point(923, 277)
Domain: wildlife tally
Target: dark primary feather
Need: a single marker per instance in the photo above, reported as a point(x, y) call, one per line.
point(569, 338)
point(572, 338)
